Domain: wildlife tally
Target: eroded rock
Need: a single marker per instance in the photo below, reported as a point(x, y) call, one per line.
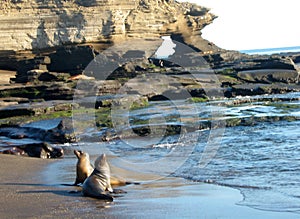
point(269, 76)
point(44, 24)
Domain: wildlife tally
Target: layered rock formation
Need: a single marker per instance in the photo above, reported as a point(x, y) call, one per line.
point(50, 44)
point(38, 24)
point(49, 41)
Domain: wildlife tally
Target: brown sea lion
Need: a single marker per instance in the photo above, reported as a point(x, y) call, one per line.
point(98, 185)
point(83, 167)
point(84, 170)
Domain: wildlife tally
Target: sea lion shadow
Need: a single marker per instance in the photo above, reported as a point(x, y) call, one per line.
point(61, 192)
point(56, 192)
point(47, 189)
point(23, 184)
point(66, 193)
point(37, 184)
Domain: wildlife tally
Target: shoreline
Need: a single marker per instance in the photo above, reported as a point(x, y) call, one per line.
point(39, 193)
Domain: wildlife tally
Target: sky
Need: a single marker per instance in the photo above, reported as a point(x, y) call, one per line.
point(253, 24)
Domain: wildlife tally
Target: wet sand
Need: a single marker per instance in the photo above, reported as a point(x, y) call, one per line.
point(31, 188)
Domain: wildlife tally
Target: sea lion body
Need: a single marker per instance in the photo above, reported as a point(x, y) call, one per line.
point(83, 167)
point(98, 185)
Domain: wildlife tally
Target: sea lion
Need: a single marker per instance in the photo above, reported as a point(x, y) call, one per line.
point(84, 170)
point(98, 185)
point(83, 167)
point(40, 150)
point(14, 151)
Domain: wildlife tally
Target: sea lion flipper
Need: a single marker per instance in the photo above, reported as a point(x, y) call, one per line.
point(109, 188)
point(74, 192)
point(116, 181)
point(105, 196)
point(76, 182)
point(66, 184)
point(132, 183)
point(118, 191)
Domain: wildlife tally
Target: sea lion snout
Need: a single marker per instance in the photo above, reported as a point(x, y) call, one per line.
point(78, 153)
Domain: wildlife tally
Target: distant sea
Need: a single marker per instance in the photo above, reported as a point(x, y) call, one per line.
point(269, 51)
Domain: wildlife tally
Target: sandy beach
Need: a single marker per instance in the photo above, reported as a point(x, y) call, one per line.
point(31, 188)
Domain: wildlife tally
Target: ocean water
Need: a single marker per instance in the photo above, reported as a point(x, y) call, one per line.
point(259, 154)
point(269, 51)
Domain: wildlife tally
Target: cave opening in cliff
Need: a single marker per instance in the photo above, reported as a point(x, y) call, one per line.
point(166, 49)
point(179, 38)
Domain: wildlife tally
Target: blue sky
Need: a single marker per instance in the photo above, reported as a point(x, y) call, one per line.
point(253, 24)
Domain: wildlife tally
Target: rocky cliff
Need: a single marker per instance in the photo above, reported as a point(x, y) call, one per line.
point(37, 24)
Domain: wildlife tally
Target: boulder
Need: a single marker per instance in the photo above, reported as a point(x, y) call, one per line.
point(51, 130)
point(250, 89)
point(296, 58)
point(39, 150)
point(269, 76)
point(46, 91)
point(71, 59)
point(243, 62)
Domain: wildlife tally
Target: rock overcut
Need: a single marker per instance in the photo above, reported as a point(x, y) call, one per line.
point(38, 24)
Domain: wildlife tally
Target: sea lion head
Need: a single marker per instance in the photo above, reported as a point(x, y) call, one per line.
point(52, 152)
point(77, 153)
point(81, 154)
point(56, 152)
point(101, 165)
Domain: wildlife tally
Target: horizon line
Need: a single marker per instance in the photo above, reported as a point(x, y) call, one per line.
point(270, 49)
